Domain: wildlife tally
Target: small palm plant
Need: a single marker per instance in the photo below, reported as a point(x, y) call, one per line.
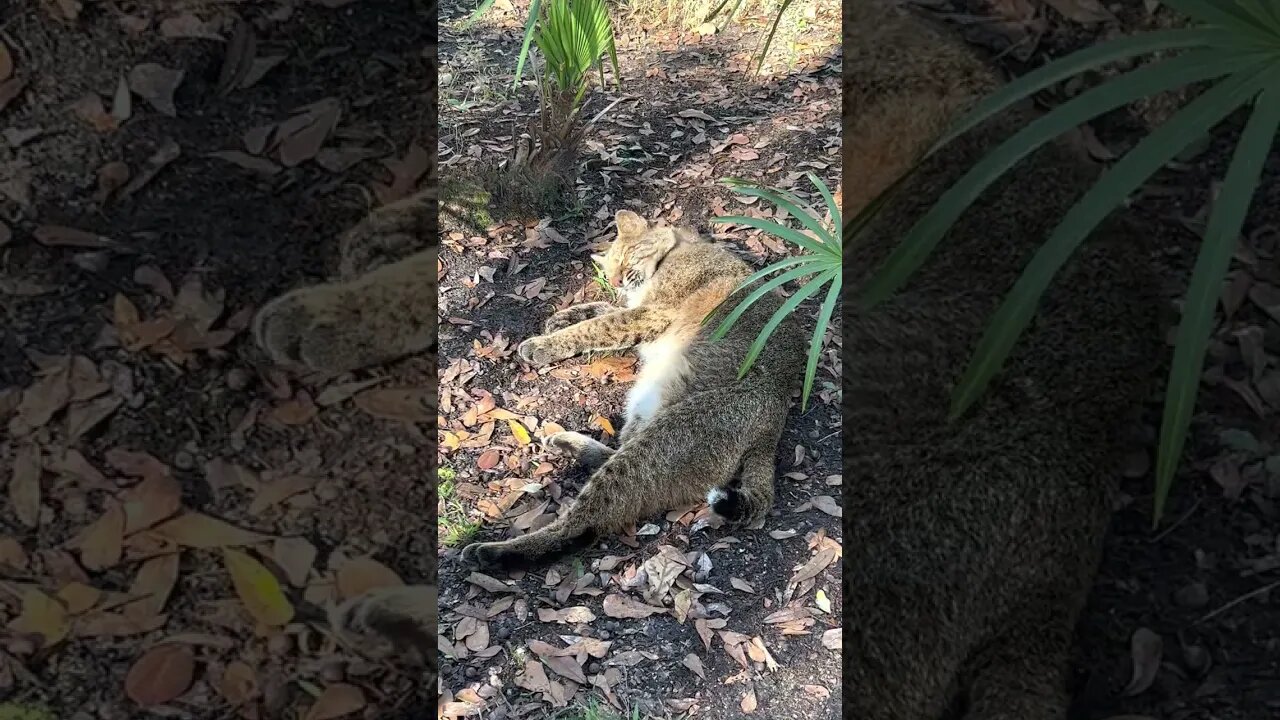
point(572, 37)
point(820, 266)
point(1237, 44)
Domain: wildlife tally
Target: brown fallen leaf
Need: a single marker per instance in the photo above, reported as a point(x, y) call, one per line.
point(258, 589)
point(403, 404)
point(489, 583)
point(156, 84)
point(188, 25)
point(241, 49)
point(833, 638)
point(109, 624)
point(621, 606)
point(1147, 649)
point(12, 554)
point(336, 701)
point(405, 174)
point(820, 561)
point(41, 615)
point(151, 501)
point(61, 236)
point(261, 166)
point(741, 584)
point(694, 663)
point(488, 459)
point(197, 530)
point(603, 423)
point(103, 542)
point(259, 69)
point(534, 678)
point(78, 598)
point(748, 703)
point(162, 674)
point(335, 394)
point(91, 110)
point(358, 576)
point(40, 402)
point(301, 137)
point(295, 556)
point(576, 614)
point(24, 485)
point(6, 62)
point(85, 416)
point(154, 582)
point(827, 504)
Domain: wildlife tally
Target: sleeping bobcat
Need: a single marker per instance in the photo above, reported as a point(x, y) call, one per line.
point(692, 428)
point(973, 544)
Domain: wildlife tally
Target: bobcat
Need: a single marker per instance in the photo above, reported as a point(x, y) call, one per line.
point(692, 428)
point(972, 544)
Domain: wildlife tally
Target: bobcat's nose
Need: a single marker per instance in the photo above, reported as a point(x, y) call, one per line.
point(615, 280)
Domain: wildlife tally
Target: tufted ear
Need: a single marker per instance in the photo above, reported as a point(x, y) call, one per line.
point(630, 224)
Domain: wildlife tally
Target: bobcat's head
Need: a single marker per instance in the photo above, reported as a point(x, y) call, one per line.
point(634, 256)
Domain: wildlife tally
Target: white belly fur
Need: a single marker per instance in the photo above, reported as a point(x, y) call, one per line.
point(662, 370)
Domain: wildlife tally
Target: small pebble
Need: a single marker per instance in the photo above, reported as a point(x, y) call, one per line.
point(333, 671)
point(184, 460)
point(1196, 658)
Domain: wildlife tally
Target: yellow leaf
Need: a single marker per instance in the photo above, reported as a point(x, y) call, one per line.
point(449, 440)
point(202, 531)
point(603, 423)
point(258, 589)
point(522, 435)
point(43, 616)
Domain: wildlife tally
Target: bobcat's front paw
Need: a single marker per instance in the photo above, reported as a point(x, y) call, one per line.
point(314, 328)
point(489, 556)
point(574, 315)
point(540, 350)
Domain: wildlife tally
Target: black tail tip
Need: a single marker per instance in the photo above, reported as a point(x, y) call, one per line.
point(728, 503)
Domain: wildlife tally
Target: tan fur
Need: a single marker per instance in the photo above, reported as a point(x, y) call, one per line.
point(972, 544)
point(691, 425)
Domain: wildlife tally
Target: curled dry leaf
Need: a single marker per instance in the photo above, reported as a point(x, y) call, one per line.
point(358, 576)
point(336, 701)
point(162, 674)
point(258, 589)
point(202, 531)
point(621, 606)
point(1146, 648)
point(301, 136)
point(156, 84)
point(24, 485)
point(103, 542)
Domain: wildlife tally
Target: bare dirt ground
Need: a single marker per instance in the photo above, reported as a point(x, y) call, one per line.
point(676, 618)
point(177, 513)
point(1184, 621)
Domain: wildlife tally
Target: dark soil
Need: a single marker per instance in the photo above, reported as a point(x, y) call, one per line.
point(242, 233)
point(652, 154)
point(1205, 581)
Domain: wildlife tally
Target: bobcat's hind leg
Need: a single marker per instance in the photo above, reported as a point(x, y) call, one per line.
point(391, 621)
point(576, 314)
point(749, 498)
point(591, 453)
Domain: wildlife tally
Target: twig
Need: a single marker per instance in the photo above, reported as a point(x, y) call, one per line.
point(1243, 598)
point(600, 114)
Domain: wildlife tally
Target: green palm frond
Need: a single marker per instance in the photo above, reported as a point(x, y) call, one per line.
point(573, 38)
point(1237, 45)
point(821, 265)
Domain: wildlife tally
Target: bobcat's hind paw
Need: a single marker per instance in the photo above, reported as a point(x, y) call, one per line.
point(489, 556)
point(390, 622)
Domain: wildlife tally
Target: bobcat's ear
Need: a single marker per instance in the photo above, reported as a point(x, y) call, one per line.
point(630, 224)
